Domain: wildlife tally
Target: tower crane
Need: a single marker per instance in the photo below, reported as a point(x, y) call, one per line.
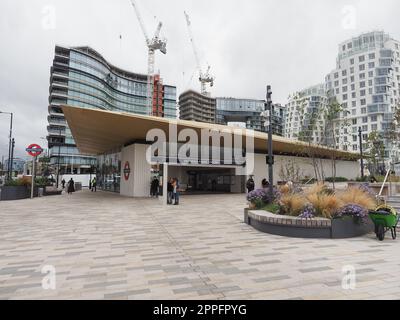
point(154, 44)
point(204, 77)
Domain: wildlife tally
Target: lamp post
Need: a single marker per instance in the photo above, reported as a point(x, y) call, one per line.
point(58, 160)
point(361, 151)
point(9, 144)
point(268, 123)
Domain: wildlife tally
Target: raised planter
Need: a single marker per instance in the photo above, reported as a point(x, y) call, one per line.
point(14, 193)
point(288, 226)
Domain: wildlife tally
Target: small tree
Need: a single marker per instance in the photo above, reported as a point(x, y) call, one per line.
point(290, 171)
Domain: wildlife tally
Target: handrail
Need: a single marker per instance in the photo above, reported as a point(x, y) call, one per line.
point(309, 181)
point(384, 181)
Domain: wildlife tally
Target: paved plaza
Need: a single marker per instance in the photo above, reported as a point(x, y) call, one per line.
point(104, 246)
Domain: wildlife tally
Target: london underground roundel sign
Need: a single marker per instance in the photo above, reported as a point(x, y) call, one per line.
point(34, 150)
point(127, 170)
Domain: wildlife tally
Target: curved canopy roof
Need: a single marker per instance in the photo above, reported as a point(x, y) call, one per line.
point(97, 132)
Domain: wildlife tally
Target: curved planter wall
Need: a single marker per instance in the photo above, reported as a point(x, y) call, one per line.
point(305, 228)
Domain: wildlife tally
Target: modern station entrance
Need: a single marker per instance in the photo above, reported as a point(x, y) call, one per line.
point(205, 179)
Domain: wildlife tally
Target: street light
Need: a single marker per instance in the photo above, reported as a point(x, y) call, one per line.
point(9, 144)
point(361, 151)
point(267, 114)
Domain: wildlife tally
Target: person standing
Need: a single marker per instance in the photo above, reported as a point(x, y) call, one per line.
point(94, 184)
point(63, 184)
point(176, 191)
point(170, 190)
point(71, 186)
point(265, 183)
point(250, 185)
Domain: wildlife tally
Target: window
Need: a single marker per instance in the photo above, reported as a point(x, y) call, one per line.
point(363, 102)
point(352, 70)
point(361, 67)
point(352, 78)
point(353, 112)
point(361, 58)
point(355, 147)
point(353, 87)
point(362, 84)
point(344, 97)
point(354, 121)
point(371, 65)
point(364, 119)
point(353, 95)
point(374, 118)
point(336, 75)
point(355, 138)
point(351, 61)
point(344, 73)
point(374, 127)
point(364, 128)
point(354, 104)
point(362, 76)
point(371, 56)
point(344, 89)
point(344, 81)
point(370, 74)
point(362, 93)
point(336, 83)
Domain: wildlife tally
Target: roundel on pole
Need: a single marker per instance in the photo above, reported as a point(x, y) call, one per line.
point(34, 150)
point(127, 170)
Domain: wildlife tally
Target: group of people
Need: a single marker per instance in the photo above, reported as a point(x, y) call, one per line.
point(70, 185)
point(250, 184)
point(173, 191)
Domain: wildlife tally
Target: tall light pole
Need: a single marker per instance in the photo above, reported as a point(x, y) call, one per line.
point(361, 151)
point(9, 143)
point(270, 159)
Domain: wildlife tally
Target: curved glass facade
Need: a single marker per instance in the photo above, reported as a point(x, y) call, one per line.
point(81, 77)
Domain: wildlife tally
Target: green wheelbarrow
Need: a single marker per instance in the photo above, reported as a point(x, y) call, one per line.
point(385, 218)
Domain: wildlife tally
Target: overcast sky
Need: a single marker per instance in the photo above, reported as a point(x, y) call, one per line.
point(290, 44)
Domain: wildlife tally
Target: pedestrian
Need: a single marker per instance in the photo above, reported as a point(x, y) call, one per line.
point(94, 184)
point(176, 191)
point(155, 183)
point(264, 183)
point(214, 185)
point(71, 186)
point(63, 184)
point(250, 185)
point(170, 190)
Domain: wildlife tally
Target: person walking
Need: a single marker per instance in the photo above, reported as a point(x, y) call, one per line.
point(170, 190)
point(94, 184)
point(71, 186)
point(63, 184)
point(250, 185)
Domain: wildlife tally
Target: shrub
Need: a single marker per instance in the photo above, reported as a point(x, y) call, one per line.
point(308, 212)
point(325, 205)
point(261, 197)
point(337, 179)
point(353, 210)
point(25, 181)
point(292, 203)
point(359, 197)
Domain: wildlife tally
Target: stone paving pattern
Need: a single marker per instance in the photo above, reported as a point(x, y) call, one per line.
point(105, 246)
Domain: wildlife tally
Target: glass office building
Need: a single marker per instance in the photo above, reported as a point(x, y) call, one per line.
point(248, 113)
point(81, 77)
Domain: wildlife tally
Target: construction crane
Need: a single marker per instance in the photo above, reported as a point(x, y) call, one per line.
point(154, 44)
point(205, 77)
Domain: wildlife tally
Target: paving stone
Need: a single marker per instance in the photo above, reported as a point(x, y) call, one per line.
point(104, 246)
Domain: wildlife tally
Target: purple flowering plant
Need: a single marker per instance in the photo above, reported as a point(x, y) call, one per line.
point(353, 210)
point(308, 212)
point(261, 197)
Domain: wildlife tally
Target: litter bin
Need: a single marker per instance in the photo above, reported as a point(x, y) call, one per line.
point(78, 186)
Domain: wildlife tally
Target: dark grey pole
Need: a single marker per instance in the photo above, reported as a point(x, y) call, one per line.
point(58, 161)
point(361, 151)
point(12, 157)
point(270, 151)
